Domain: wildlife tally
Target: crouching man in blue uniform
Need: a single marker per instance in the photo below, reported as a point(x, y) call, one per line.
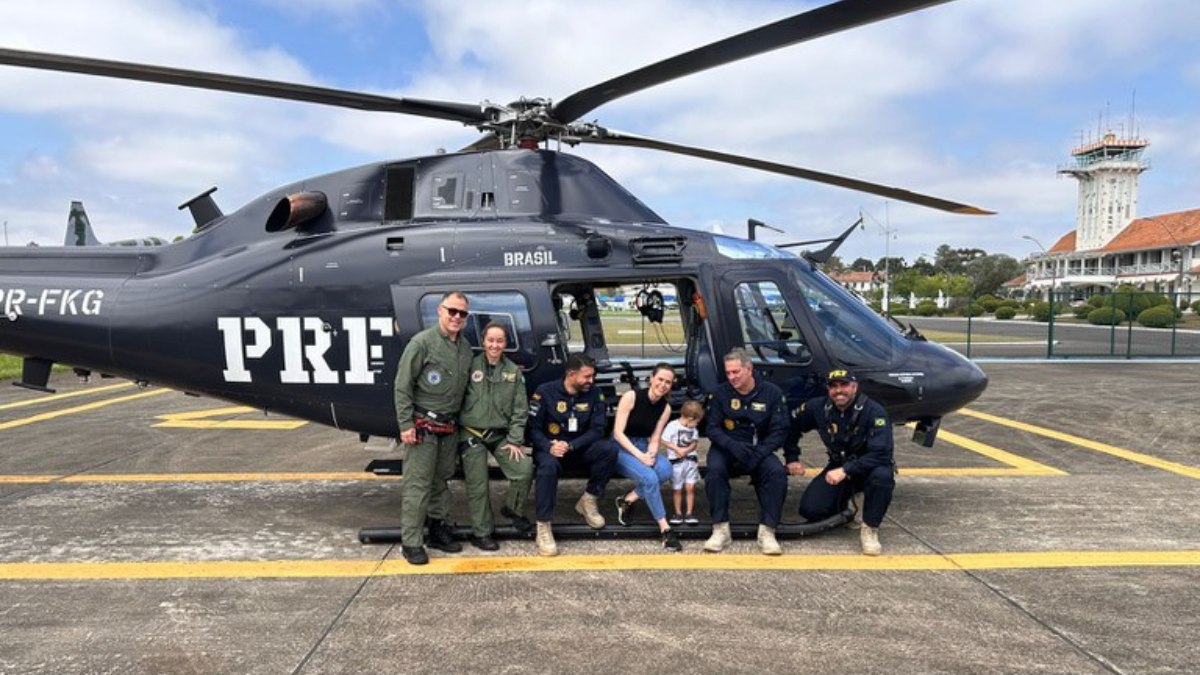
point(747, 424)
point(566, 419)
point(858, 437)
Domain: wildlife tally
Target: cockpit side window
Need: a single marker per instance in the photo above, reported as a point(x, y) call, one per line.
point(854, 334)
point(769, 330)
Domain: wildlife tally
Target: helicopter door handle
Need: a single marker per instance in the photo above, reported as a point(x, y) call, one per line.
point(553, 343)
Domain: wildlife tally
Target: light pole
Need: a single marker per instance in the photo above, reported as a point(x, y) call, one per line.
point(1053, 269)
point(889, 233)
point(1053, 279)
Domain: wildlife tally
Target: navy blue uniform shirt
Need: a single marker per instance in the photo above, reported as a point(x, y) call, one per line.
point(857, 440)
point(748, 426)
point(551, 409)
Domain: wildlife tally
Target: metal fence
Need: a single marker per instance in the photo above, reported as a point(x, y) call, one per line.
point(1077, 328)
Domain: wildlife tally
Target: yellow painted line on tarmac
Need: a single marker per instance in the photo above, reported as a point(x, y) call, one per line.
point(318, 569)
point(1016, 464)
point(194, 477)
point(198, 419)
point(58, 397)
point(78, 409)
point(1139, 458)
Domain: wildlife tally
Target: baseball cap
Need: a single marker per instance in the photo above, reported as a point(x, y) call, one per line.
point(840, 376)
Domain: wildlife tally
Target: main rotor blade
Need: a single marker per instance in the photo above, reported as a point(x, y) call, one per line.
point(619, 138)
point(446, 110)
point(815, 23)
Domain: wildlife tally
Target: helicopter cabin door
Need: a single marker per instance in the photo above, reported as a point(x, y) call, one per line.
point(764, 315)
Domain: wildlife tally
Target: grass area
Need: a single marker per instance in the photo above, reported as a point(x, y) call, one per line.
point(961, 336)
point(10, 367)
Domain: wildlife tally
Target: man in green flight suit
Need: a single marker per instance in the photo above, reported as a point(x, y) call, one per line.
point(493, 421)
point(430, 381)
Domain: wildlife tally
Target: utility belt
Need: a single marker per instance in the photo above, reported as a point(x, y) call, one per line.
point(689, 458)
point(430, 422)
point(476, 437)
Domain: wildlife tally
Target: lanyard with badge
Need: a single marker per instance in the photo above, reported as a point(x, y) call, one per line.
point(572, 420)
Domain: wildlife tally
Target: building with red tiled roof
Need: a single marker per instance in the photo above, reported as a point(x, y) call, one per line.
point(1110, 245)
point(859, 282)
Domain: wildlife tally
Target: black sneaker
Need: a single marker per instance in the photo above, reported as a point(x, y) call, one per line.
point(441, 537)
point(691, 520)
point(415, 555)
point(484, 543)
point(624, 511)
point(670, 540)
point(675, 519)
point(520, 523)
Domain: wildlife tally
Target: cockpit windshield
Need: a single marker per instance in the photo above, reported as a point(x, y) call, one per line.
point(853, 333)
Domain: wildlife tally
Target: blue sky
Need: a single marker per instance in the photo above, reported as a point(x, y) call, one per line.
point(977, 101)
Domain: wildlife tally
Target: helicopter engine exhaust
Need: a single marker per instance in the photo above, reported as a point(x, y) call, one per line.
point(295, 210)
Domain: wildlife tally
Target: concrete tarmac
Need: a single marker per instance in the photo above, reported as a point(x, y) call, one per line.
point(1052, 529)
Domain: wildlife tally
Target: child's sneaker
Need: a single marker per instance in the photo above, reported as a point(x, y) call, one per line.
point(691, 520)
point(676, 519)
point(671, 541)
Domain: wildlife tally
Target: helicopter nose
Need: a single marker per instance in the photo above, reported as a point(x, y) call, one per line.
point(952, 380)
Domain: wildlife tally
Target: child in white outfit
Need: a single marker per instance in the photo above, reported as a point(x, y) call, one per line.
point(680, 438)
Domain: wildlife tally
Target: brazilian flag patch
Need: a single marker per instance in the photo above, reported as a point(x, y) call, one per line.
point(880, 422)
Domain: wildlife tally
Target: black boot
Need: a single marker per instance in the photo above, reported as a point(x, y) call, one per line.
point(519, 522)
point(441, 537)
point(415, 555)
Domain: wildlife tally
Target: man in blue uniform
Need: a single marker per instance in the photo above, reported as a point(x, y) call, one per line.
point(747, 424)
point(858, 437)
point(566, 419)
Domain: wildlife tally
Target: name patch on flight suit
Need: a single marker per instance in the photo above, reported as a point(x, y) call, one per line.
point(583, 407)
point(509, 377)
point(758, 407)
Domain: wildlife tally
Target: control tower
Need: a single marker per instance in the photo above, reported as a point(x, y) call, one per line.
point(1107, 172)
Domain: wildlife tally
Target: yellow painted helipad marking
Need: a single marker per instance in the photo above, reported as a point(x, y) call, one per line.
point(1173, 467)
point(78, 409)
point(318, 569)
point(198, 419)
point(58, 397)
point(1017, 465)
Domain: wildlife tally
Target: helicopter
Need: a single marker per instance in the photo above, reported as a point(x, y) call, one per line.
point(301, 301)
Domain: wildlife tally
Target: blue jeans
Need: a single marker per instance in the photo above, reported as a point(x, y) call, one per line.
point(647, 481)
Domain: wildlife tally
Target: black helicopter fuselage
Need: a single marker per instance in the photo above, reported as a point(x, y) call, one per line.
point(302, 301)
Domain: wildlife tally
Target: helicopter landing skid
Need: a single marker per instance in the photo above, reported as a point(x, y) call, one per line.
point(391, 535)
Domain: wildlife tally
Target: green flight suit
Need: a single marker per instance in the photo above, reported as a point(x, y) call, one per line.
point(432, 375)
point(493, 416)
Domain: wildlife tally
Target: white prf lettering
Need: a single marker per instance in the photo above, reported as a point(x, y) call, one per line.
point(315, 352)
point(236, 351)
point(361, 351)
point(293, 351)
point(296, 352)
point(235, 364)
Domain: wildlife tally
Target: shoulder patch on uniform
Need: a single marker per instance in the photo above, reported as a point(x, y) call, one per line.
point(880, 422)
point(803, 406)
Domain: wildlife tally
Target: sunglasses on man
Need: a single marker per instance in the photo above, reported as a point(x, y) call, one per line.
point(456, 312)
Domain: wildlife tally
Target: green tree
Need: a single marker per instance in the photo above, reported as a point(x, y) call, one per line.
point(862, 265)
point(988, 272)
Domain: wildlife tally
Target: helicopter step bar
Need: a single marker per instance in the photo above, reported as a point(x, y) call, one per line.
point(395, 467)
point(391, 535)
